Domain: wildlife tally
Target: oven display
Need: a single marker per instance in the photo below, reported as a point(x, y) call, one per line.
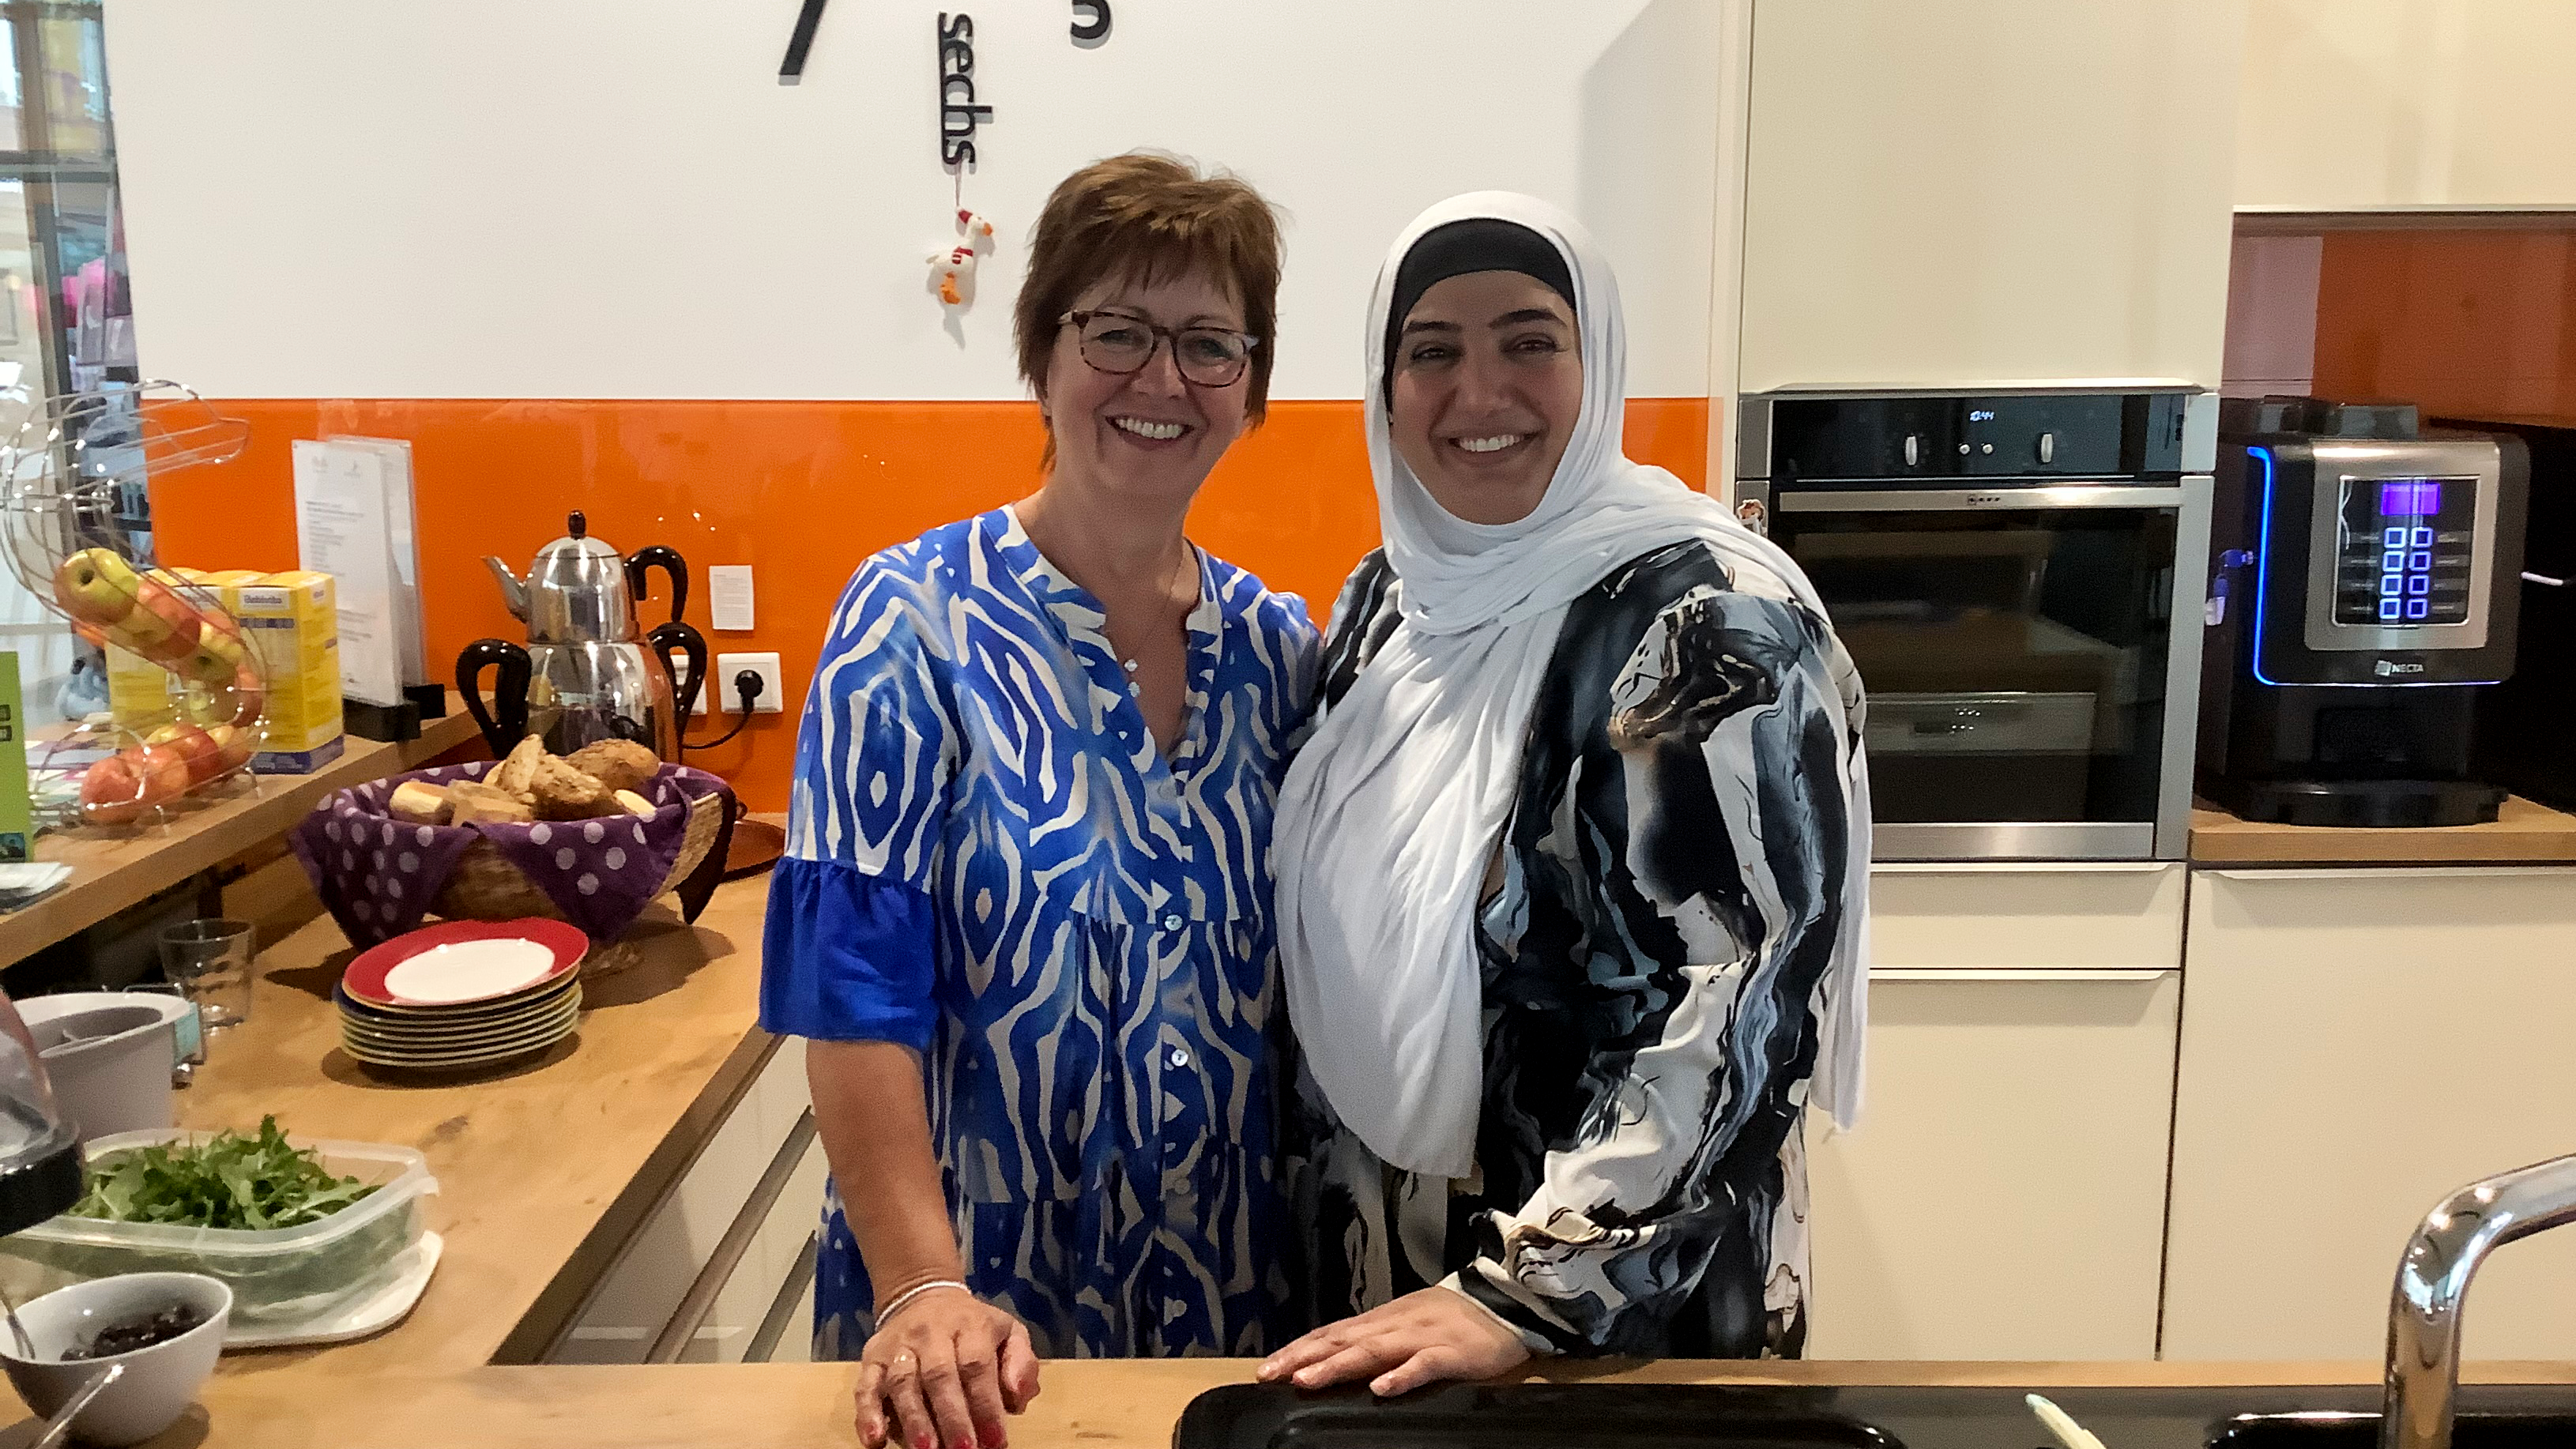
point(2402, 554)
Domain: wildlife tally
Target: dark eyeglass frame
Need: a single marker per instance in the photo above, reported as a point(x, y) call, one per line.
point(1162, 337)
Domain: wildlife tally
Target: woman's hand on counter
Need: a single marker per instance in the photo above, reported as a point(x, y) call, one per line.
point(1421, 1338)
point(944, 1372)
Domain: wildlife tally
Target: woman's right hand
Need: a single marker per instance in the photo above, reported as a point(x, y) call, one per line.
point(943, 1372)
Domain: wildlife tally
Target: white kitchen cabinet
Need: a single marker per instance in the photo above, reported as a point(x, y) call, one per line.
point(765, 1136)
point(2372, 105)
point(2355, 1044)
point(2003, 1196)
point(1982, 192)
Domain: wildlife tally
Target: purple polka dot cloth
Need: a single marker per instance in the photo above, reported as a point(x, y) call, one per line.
point(377, 875)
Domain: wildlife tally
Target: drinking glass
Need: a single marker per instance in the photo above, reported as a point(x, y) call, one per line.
point(210, 960)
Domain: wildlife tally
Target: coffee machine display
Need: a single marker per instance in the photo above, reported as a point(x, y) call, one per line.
point(2364, 587)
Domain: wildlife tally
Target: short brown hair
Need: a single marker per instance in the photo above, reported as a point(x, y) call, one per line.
point(1146, 217)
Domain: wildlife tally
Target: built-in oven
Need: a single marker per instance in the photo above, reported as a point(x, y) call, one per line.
point(2020, 579)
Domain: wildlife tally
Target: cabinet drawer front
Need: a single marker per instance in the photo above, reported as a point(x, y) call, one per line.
point(2075, 916)
point(2355, 1044)
point(2003, 1196)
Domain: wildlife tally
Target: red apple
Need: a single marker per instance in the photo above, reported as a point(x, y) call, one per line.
point(204, 757)
point(111, 791)
point(96, 586)
point(234, 743)
point(172, 650)
point(163, 770)
point(151, 596)
point(250, 697)
point(216, 659)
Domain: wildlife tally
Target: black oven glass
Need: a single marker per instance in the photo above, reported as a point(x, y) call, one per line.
point(2015, 659)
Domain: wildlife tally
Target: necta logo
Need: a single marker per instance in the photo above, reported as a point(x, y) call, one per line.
point(2386, 667)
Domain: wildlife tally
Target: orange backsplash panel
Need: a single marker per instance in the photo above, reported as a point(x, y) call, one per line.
point(2474, 321)
point(802, 491)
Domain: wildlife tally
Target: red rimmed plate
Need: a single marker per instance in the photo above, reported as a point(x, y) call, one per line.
point(462, 963)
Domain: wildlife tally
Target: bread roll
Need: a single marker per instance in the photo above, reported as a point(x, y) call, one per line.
point(564, 793)
point(618, 764)
point(418, 802)
point(472, 803)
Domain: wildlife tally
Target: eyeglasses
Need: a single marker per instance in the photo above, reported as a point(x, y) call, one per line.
point(1115, 342)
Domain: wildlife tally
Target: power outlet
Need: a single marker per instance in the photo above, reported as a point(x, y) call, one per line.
point(680, 670)
point(773, 683)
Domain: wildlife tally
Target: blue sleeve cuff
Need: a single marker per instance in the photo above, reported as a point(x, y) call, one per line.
point(846, 956)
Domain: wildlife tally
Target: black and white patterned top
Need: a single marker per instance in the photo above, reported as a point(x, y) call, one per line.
point(1655, 931)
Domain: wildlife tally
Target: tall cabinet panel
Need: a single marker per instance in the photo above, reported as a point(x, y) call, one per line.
point(2355, 1044)
point(2368, 105)
point(1982, 192)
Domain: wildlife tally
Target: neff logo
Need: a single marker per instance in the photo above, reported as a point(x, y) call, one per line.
point(2386, 667)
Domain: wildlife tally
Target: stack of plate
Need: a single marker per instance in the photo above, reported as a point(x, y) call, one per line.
point(464, 994)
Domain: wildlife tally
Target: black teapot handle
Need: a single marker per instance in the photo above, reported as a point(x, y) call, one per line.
point(684, 688)
point(668, 560)
point(509, 700)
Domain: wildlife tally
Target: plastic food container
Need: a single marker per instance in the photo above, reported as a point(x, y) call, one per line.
point(276, 1274)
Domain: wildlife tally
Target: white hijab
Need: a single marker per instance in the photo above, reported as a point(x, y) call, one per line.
point(1391, 811)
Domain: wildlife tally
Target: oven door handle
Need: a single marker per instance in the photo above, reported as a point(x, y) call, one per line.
point(1979, 500)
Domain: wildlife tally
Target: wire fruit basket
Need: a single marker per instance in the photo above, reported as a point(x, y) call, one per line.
point(75, 476)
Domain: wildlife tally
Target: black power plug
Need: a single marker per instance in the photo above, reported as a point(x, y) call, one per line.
point(747, 688)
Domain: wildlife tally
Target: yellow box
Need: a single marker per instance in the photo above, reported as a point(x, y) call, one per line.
point(292, 622)
point(140, 693)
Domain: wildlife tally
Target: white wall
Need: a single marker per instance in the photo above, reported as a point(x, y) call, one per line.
point(615, 198)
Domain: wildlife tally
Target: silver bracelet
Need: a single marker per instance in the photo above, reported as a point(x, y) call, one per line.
point(915, 1291)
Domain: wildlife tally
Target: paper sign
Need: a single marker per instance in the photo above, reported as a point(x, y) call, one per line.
point(411, 633)
point(729, 596)
point(341, 529)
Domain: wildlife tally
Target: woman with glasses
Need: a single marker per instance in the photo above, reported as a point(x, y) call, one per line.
point(1572, 869)
point(1024, 920)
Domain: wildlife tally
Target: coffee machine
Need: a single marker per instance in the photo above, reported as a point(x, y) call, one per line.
point(2364, 586)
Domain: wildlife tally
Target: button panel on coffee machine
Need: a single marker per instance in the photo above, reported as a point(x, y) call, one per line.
point(2402, 551)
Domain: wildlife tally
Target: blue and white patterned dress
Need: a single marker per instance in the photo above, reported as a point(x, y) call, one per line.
point(988, 860)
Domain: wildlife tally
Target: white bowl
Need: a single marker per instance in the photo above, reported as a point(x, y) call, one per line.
point(159, 1382)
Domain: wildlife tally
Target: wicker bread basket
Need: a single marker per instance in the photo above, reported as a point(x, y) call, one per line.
point(485, 887)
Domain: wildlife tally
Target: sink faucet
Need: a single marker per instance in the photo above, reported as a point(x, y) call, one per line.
point(2433, 1282)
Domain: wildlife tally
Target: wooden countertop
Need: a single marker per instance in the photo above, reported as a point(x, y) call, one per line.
point(2521, 832)
point(544, 1171)
point(113, 869)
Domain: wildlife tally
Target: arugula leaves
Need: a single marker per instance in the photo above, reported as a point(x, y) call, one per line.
point(228, 1181)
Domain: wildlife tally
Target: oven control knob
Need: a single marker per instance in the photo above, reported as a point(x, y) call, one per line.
point(1913, 450)
point(2048, 447)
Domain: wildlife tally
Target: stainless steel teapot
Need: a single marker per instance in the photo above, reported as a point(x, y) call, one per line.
point(585, 675)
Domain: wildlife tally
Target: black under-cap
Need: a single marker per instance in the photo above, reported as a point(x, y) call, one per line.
point(1454, 249)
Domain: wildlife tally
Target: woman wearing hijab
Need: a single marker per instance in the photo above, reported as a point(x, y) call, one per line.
point(1572, 870)
point(1024, 918)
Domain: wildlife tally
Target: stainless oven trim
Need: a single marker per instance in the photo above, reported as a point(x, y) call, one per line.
point(1988, 500)
point(2013, 840)
point(2182, 671)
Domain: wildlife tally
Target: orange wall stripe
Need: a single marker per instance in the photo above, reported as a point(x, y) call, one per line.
point(801, 491)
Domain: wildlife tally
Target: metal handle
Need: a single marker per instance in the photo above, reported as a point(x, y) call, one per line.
point(2031, 973)
point(1979, 500)
point(782, 1309)
point(700, 1300)
point(2545, 580)
point(2023, 867)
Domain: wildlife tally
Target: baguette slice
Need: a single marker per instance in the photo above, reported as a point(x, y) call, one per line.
point(635, 804)
point(516, 775)
point(473, 803)
point(418, 802)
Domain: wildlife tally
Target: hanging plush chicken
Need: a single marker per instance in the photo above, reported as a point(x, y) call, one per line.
point(954, 269)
